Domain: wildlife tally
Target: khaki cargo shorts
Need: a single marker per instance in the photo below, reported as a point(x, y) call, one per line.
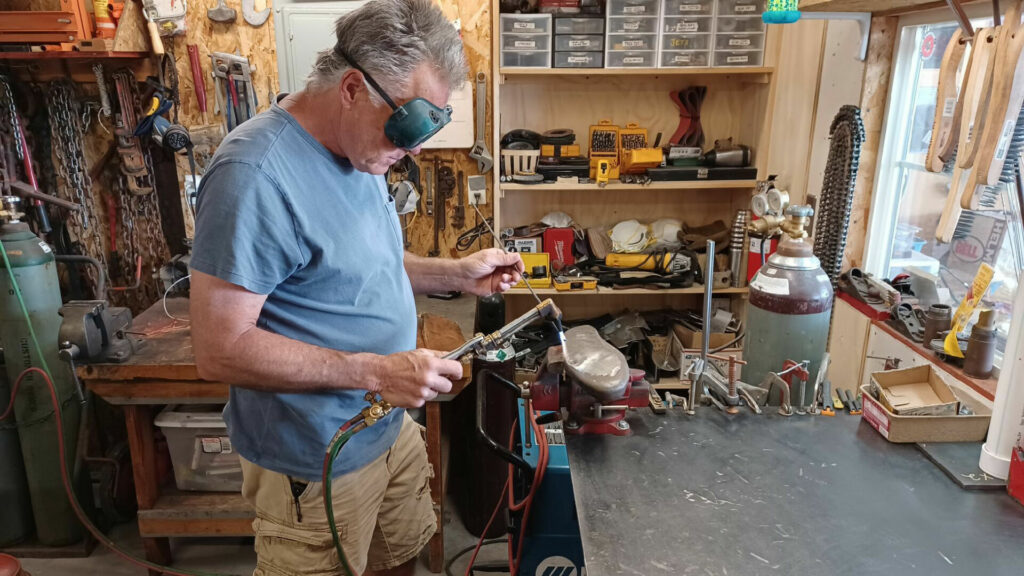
point(383, 512)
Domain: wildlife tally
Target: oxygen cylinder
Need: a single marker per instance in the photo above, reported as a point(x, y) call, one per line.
point(790, 310)
point(32, 262)
point(14, 497)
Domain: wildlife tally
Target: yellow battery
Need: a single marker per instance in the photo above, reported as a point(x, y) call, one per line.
point(575, 283)
point(532, 261)
point(560, 150)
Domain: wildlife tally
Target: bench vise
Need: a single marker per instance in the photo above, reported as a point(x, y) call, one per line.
point(93, 332)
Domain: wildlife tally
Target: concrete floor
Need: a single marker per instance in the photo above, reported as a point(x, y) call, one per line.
point(234, 556)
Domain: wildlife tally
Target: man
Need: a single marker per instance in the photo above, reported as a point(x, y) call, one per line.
point(302, 297)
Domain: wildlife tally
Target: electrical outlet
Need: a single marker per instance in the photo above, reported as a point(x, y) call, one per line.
point(477, 193)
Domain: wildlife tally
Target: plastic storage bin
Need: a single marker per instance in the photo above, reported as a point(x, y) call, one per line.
point(738, 58)
point(725, 24)
point(526, 42)
point(688, 8)
point(740, 7)
point(632, 25)
point(686, 25)
point(579, 59)
point(633, 7)
point(630, 59)
point(739, 41)
point(618, 42)
point(526, 23)
point(201, 452)
point(579, 43)
point(691, 58)
point(525, 59)
point(685, 42)
point(579, 25)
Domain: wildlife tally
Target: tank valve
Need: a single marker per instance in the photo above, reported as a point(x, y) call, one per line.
point(794, 224)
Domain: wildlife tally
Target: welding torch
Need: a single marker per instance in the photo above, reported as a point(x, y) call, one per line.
point(481, 344)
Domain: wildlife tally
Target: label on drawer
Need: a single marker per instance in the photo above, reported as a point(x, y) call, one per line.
point(524, 25)
point(687, 26)
point(681, 59)
point(690, 7)
point(633, 43)
point(631, 25)
point(741, 8)
point(525, 44)
point(579, 43)
point(739, 42)
point(634, 9)
point(633, 60)
point(578, 59)
point(737, 59)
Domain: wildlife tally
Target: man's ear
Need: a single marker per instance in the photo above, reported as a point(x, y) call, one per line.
point(350, 86)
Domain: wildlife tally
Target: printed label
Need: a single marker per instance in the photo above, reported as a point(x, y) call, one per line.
point(579, 43)
point(1004, 139)
point(45, 247)
point(524, 25)
point(633, 44)
point(633, 60)
point(634, 9)
point(873, 414)
point(949, 107)
point(630, 25)
point(680, 42)
point(739, 42)
point(688, 26)
point(682, 58)
point(525, 44)
point(737, 59)
point(211, 445)
point(777, 286)
point(742, 8)
point(578, 60)
point(691, 7)
point(702, 174)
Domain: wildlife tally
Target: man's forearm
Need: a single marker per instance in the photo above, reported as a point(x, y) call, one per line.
point(262, 360)
point(432, 275)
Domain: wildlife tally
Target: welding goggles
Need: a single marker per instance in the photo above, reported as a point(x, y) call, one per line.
point(411, 124)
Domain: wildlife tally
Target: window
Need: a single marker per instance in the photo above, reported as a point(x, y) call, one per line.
point(908, 200)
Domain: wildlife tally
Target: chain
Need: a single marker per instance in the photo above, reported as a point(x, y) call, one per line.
point(836, 201)
point(12, 115)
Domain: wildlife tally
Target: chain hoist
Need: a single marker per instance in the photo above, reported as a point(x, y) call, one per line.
point(836, 201)
point(135, 160)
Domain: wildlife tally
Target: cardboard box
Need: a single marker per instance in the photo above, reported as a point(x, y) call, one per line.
point(917, 391)
point(900, 429)
point(691, 339)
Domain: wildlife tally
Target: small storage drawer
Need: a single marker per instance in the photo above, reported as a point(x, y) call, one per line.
point(632, 25)
point(630, 60)
point(739, 41)
point(579, 25)
point(736, 58)
point(579, 59)
point(632, 41)
point(687, 25)
point(740, 7)
point(739, 24)
point(579, 43)
point(686, 42)
point(532, 42)
point(689, 7)
point(633, 7)
point(526, 23)
point(525, 59)
point(689, 58)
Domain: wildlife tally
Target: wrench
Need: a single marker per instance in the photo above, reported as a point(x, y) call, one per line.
point(484, 160)
point(254, 18)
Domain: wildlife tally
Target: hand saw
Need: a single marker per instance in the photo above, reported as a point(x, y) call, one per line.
point(977, 82)
point(1004, 109)
point(947, 112)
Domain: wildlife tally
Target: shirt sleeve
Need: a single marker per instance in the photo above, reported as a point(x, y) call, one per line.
point(245, 231)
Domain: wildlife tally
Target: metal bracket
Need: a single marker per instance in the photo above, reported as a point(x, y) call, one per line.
point(863, 18)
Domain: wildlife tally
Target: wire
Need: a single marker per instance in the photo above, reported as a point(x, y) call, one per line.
point(467, 238)
point(168, 291)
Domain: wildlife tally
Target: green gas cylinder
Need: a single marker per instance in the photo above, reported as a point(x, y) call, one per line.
point(35, 269)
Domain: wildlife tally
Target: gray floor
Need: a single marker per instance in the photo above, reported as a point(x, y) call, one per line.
point(233, 556)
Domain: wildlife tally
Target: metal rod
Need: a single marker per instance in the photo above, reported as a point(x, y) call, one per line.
point(526, 277)
point(996, 13)
point(961, 17)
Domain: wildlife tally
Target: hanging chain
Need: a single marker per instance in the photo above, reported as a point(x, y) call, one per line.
point(837, 190)
point(12, 114)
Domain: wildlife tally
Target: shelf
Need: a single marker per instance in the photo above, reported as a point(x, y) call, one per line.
point(676, 185)
point(874, 6)
point(602, 291)
point(753, 73)
point(180, 513)
point(72, 55)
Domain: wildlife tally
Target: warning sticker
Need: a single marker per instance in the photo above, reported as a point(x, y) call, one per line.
point(777, 286)
point(216, 445)
point(45, 247)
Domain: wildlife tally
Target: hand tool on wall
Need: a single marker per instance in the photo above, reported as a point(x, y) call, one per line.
point(197, 81)
point(149, 11)
point(946, 125)
point(428, 182)
point(459, 216)
point(221, 13)
point(484, 160)
point(254, 18)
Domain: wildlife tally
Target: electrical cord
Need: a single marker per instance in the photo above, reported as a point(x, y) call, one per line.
point(467, 238)
point(467, 550)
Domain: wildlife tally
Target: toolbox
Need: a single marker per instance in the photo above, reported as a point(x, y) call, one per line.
point(533, 264)
point(558, 244)
point(604, 145)
point(575, 283)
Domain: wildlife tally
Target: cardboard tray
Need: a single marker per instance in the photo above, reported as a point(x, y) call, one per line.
point(903, 429)
point(915, 391)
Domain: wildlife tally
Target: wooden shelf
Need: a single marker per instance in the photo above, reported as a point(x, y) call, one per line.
point(873, 6)
point(179, 513)
point(602, 291)
point(675, 185)
point(72, 55)
point(753, 73)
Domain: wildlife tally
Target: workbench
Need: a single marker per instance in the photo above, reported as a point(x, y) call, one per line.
point(711, 494)
point(162, 371)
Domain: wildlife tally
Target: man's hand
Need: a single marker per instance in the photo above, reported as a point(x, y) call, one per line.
point(411, 379)
point(489, 271)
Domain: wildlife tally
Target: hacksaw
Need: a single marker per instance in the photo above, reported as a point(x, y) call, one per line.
point(947, 111)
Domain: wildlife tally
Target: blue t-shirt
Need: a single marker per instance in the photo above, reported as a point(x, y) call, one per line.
point(278, 214)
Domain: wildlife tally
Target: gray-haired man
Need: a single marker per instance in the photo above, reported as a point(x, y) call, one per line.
point(302, 297)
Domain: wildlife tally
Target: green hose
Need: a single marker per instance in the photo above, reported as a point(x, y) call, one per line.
point(333, 448)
